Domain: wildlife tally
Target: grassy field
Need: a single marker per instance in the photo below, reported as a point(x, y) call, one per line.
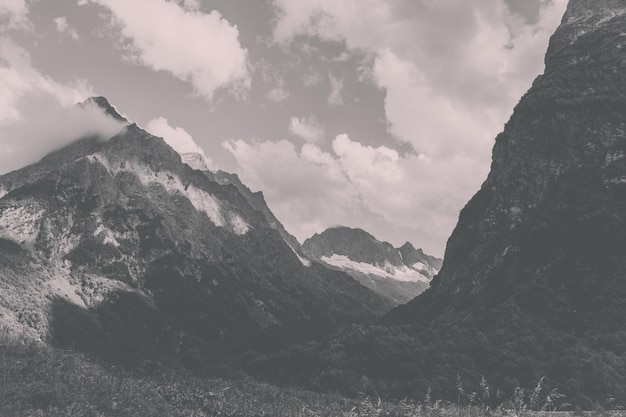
point(36, 380)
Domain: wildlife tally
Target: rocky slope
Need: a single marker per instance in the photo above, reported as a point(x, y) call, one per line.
point(534, 278)
point(399, 274)
point(117, 247)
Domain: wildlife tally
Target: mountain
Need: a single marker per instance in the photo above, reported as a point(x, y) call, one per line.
point(398, 274)
point(533, 282)
point(116, 247)
point(103, 104)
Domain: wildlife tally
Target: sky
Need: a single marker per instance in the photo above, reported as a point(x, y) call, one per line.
point(377, 114)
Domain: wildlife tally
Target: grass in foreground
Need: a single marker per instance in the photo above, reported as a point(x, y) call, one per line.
point(39, 381)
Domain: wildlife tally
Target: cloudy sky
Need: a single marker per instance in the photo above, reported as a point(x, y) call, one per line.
point(378, 114)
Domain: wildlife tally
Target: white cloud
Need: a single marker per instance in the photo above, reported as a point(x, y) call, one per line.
point(336, 91)
point(451, 72)
point(176, 137)
point(63, 27)
point(19, 81)
point(38, 114)
point(278, 94)
point(311, 78)
point(308, 128)
point(191, 4)
point(193, 46)
point(13, 14)
point(304, 189)
point(355, 185)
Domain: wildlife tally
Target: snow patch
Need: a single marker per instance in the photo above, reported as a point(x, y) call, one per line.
point(303, 261)
point(62, 287)
point(21, 223)
point(3, 192)
point(403, 273)
point(420, 265)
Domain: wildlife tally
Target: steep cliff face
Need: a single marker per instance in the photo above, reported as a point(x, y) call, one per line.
point(117, 247)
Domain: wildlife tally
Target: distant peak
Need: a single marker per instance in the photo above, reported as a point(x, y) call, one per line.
point(106, 107)
point(408, 246)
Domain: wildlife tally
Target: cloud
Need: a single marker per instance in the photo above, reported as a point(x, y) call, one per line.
point(304, 189)
point(336, 91)
point(279, 92)
point(202, 49)
point(63, 27)
point(355, 185)
point(19, 81)
point(37, 114)
point(308, 128)
point(13, 15)
point(451, 73)
point(176, 137)
point(311, 79)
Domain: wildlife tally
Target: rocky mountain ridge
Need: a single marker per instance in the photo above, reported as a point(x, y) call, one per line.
point(397, 273)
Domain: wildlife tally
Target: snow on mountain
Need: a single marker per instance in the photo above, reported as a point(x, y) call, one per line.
point(403, 273)
point(400, 274)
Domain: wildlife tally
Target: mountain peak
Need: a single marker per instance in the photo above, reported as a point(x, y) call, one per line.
point(407, 246)
point(106, 107)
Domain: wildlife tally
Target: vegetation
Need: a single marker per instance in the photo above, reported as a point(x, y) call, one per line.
point(36, 380)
